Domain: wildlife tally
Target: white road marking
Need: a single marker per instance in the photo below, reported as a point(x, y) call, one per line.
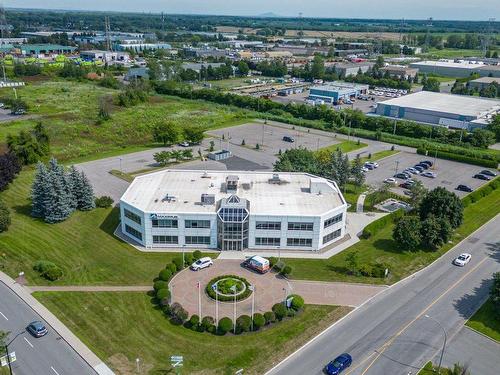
point(29, 343)
point(1, 313)
point(53, 369)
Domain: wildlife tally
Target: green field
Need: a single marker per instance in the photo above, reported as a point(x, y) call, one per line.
point(70, 109)
point(451, 53)
point(383, 249)
point(120, 327)
point(344, 146)
point(485, 322)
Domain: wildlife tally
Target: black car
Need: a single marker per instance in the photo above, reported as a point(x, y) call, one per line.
point(428, 162)
point(480, 176)
point(465, 188)
point(488, 173)
point(402, 176)
point(37, 329)
point(286, 138)
point(419, 168)
point(423, 165)
point(406, 185)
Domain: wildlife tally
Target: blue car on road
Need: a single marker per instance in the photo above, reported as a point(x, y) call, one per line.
point(339, 364)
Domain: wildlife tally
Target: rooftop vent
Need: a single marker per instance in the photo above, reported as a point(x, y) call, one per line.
point(207, 199)
point(169, 198)
point(232, 183)
point(275, 179)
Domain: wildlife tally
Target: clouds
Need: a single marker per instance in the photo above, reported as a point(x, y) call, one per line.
point(409, 9)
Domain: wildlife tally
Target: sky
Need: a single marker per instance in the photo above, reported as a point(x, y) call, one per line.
point(409, 9)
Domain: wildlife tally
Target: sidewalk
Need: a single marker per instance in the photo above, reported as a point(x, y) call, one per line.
point(83, 288)
point(68, 336)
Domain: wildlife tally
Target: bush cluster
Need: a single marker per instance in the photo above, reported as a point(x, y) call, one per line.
point(481, 192)
point(221, 298)
point(461, 158)
point(280, 266)
point(48, 270)
point(104, 202)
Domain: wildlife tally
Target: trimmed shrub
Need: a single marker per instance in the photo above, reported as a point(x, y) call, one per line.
point(188, 259)
point(376, 226)
point(481, 192)
point(365, 270)
point(258, 321)
point(287, 270)
point(208, 324)
point(162, 295)
point(297, 302)
point(4, 217)
point(171, 267)
point(378, 269)
point(165, 275)
point(225, 325)
point(178, 313)
point(269, 317)
point(197, 254)
point(243, 323)
point(104, 202)
point(48, 270)
point(272, 261)
point(279, 310)
point(461, 158)
point(177, 261)
point(194, 322)
point(240, 297)
point(53, 274)
point(160, 284)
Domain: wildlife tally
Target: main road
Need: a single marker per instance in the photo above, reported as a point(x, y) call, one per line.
point(402, 328)
point(48, 355)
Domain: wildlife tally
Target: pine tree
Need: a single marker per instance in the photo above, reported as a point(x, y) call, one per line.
point(86, 198)
point(59, 202)
point(75, 185)
point(39, 191)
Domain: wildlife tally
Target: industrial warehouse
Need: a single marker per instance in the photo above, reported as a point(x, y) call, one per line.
point(233, 210)
point(335, 92)
point(451, 111)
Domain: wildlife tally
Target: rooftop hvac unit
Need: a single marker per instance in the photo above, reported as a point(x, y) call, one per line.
point(208, 199)
point(169, 198)
point(275, 179)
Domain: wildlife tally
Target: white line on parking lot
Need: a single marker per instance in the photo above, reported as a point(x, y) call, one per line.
point(53, 369)
point(29, 343)
point(1, 313)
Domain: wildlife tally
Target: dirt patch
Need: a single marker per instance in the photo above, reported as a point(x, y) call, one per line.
point(121, 365)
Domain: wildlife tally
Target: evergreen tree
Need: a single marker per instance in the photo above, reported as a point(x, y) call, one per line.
point(86, 198)
point(75, 184)
point(39, 191)
point(357, 172)
point(59, 201)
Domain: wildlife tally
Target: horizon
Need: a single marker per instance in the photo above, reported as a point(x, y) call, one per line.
point(322, 9)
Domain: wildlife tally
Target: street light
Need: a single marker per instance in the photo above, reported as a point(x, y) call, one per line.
point(7, 350)
point(444, 343)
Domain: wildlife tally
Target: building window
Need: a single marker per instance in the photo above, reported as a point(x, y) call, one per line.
point(302, 242)
point(197, 240)
point(164, 223)
point(268, 225)
point(167, 240)
point(300, 226)
point(134, 217)
point(134, 232)
point(196, 223)
point(264, 241)
point(333, 220)
point(331, 236)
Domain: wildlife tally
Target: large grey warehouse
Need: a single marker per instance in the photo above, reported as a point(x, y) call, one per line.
point(453, 111)
point(461, 68)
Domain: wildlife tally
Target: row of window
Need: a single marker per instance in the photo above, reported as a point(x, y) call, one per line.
point(299, 242)
point(265, 241)
point(197, 240)
point(174, 240)
point(270, 241)
point(301, 226)
point(134, 217)
point(134, 232)
point(276, 225)
point(331, 236)
point(166, 240)
point(173, 223)
point(332, 220)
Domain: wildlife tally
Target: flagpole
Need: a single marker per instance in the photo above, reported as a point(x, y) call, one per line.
point(216, 306)
point(199, 299)
point(253, 301)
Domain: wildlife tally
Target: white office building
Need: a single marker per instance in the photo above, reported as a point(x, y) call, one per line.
point(230, 210)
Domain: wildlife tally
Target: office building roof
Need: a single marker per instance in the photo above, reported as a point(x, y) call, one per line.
point(268, 193)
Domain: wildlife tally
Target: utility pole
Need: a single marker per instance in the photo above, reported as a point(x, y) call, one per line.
point(397, 166)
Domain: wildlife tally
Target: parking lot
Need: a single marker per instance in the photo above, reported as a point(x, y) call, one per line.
point(450, 174)
point(270, 138)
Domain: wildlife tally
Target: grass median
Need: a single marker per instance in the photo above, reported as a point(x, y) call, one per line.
point(383, 249)
point(120, 327)
point(485, 321)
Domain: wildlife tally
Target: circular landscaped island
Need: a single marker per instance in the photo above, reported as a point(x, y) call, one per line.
point(226, 287)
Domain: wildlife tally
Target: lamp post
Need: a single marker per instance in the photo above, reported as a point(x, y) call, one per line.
point(253, 289)
point(7, 351)
point(444, 343)
point(120, 159)
point(233, 289)
point(183, 261)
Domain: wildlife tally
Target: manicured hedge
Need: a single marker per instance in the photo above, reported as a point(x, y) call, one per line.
point(239, 297)
point(376, 226)
point(460, 158)
point(481, 192)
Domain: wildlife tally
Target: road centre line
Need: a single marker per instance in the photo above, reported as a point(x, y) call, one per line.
point(29, 343)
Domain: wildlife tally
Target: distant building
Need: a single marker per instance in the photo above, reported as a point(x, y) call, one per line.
point(400, 71)
point(448, 68)
point(450, 111)
point(489, 70)
point(43, 49)
point(233, 211)
point(346, 69)
point(139, 47)
point(10, 41)
point(334, 92)
point(197, 66)
point(137, 73)
point(483, 82)
point(204, 52)
point(104, 56)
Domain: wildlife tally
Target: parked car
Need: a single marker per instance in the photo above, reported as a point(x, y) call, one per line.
point(488, 173)
point(412, 170)
point(184, 144)
point(390, 180)
point(202, 263)
point(406, 185)
point(428, 162)
point(257, 263)
point(286, 138)
point(339, 364)
point(372, 163)
point(19, 112)
point(402, 176)
point(423, 165)
point(462, 259)
point(429, 174)
point(480, 176)
point(364, 169)
point(419, 168)
point(465, 188)
point(37, 329)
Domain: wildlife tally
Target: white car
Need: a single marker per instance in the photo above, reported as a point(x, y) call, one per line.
point(462, 259)
point(371, 163)
point(390, 180)
point(429, 174)
point(184, 144)
point(202, 263)
point(412, 170)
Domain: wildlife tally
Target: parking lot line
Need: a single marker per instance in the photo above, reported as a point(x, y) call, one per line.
point(29, 343)
point(1, 313)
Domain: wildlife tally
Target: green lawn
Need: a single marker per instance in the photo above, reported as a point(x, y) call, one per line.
point(344, 146)
point(380, 155)
point(485, 322)
point(451, 53)
point(351, 194)
point(69, 110)
point(383, 249)
point(83, 246)
point(120, 327)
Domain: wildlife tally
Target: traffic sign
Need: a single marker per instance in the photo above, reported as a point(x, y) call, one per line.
point(5, 362)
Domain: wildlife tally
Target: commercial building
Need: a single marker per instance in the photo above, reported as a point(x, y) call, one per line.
point(333, 92)
point(453, 111)
point(352, 68)
point(400, 71)
point(104, 56)
point(41, 49)
point(454, 68)
point(233, 210)
point(139, 47)
point(483, 82)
